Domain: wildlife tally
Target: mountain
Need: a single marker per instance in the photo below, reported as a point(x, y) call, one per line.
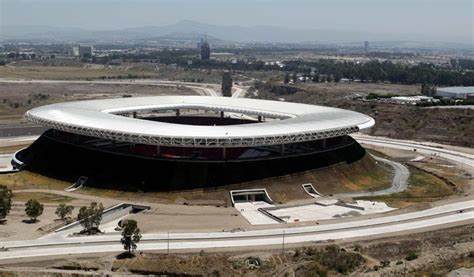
point(191, 29)
point(251, 34)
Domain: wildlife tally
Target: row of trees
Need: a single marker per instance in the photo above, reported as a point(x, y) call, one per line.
point(375, 71)
point(227, 84)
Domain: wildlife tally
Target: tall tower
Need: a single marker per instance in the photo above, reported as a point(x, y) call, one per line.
point(205, 49)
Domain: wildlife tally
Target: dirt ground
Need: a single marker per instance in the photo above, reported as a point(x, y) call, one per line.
point(18, 228)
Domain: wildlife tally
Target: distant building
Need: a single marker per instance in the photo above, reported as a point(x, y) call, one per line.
point(205, 50)
point(456, 92)
point(82, 50)
point(366, 46)
point(412, 100)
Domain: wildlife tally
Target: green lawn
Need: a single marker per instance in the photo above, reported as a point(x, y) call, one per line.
point(422, 187)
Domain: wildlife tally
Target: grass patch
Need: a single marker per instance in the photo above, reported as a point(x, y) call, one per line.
point(29, 180)
point(367, 175)
point(422, 188)
point(41, 197)
point(377, 153)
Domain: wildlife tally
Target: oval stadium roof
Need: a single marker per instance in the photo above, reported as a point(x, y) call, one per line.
point(295, 122)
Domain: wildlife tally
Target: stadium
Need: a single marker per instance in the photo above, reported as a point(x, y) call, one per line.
point(183, 142)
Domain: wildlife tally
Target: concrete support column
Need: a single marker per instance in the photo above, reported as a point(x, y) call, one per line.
point(177, 113)
point(323, 143)
point(134, 115)
point(224, 153)
point(222, 114)
point(158, 150)
point(259, 118)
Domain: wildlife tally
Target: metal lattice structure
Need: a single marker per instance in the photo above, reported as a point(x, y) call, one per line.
point(293, 122)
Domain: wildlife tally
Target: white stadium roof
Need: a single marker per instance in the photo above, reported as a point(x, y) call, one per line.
point(102, 119)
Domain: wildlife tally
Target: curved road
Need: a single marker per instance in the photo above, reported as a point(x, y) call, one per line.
point(399, 181)
point(463, 159)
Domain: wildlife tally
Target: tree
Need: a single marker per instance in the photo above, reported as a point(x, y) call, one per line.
point(130, 236)
point(226, 84)
point(428, 90)
point(33, 209)
point(316, 78)
point(63, 210)
point(6, 196)
point(90, 217)
point(294, 77)
point(287, 78)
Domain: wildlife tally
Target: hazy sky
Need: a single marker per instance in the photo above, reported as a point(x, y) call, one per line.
point(441, 18)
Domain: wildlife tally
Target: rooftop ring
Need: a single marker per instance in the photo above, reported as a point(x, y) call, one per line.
point(295, 122)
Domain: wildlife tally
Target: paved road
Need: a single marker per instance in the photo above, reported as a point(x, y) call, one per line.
point(399, 181)
point(15, 141)
point(239, 92)
point(19, 130)
point(465, 160)
point(446, 215)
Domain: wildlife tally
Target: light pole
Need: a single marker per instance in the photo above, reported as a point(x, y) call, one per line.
point(168, 243)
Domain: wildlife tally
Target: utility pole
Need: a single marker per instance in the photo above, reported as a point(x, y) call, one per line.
point(168, 243)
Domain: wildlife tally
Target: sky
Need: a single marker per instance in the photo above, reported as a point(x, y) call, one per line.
point(439, 18)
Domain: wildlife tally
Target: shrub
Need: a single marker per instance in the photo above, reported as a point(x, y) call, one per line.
point(333, 258)
point(315, 270)
point(63, 210)
point(411, 255)
point(6, 196)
